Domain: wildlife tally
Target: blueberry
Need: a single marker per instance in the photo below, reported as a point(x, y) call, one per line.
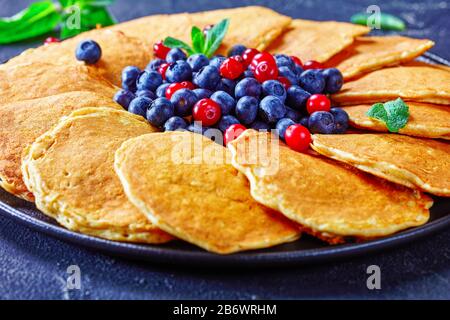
point(155, 64)
point(226, 85)
point(292, 114)
point(333, 80)
point(288, 74)
point(88, 51)
point(247, 87)
point(129, 77)
point(149, 80)
point(271, 109)
point(139, 105)
point(312, 81)
point(196, 127)
point(160, 111)
point(298, 70)
point(197, 61)
point(247, 109)
point(297, 97)
point(216, 61)
point(340, 119)
point(175, 123)
point(207, 78)
point(161, 91)
point(282, 125)
point(225, 101)
point(124, 97)
point(183, 100)
point(202, 93)
point(248, 74)
point(237, 50)
point(321, 122)
point(259, 125)
point(283, 60)
point(146, 93)
point(304, 121)
point(226, 121)
point(178, 72)
point(175, 54)
point(274, 88)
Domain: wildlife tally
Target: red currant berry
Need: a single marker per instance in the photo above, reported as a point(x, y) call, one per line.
point(318, 102)
point(297, 61)
point(51, 40)
point(265, 71)
point(160, 50)
point(248, 56)
point(297, 137)
point(174, 87)
point(188, 85)
point(232, 132)
point(285, 82)
point(311, 64)
point(263, 57)
point(162, 70)
point(207, 111)
point(231, 68)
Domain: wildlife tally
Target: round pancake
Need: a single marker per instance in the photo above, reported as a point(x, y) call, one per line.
point(118, 51)
point(186, 187)
point(316, 40)
point(41, 79)
point(371, 53)
point(329, 200)
point(413, 162)
point(409, 82)
point(70, 171)
point(24, 121)
point(425, 120)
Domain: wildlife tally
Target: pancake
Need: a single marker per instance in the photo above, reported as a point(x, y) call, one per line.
point(39, 80)
point(22, 122)
point(254, 26)
point(197, 196)
point(425, 120)
point(409, 82)
point(70, 171)
point(331, 201)
point(315, 40)
point(371, 53)
point(413, 162)
point(118, 51)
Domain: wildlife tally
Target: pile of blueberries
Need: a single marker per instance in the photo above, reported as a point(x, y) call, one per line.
point(247, 89)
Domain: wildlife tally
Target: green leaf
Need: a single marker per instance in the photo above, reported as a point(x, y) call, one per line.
point(198, 40)
point(387, 21)
point(175, 43)
point(215, 36)
point(395, 114)
point(39, 18)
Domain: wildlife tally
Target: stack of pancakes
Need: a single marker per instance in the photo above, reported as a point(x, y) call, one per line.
point(102, 171)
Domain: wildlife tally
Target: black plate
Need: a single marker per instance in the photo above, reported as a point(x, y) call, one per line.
point(305, 250)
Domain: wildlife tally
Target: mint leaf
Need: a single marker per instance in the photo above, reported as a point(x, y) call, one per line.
point(395, 114)
point(175, 43)
point(198, 40)
point(385, 21)
point(215, 36)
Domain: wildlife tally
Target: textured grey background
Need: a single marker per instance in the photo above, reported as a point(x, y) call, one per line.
point(33, 266)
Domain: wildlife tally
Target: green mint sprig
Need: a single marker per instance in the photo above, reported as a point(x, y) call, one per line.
point(394, 114)
point(201, 44)
point(43, 17)
point(387, 21)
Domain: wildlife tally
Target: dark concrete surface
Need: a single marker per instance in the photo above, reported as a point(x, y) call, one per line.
point(33, 266)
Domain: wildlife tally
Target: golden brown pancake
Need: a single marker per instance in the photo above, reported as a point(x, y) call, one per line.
point(371, 53)
point(186, 187)
point(70, 171)
point(425, 120)
point(411, 83)
point(254, 26)
point(316, 40)
point(412, 162)
point(331, 201)
point(118, 51)
point(39, 80)
point(22, 122)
